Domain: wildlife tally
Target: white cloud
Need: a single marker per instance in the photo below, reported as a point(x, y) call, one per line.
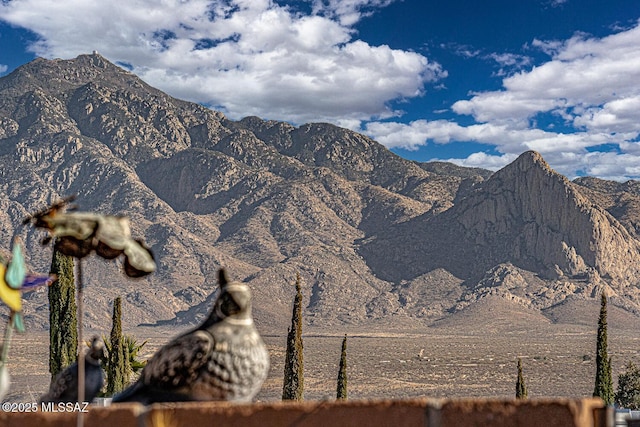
point(3, 68)
point(609, 165)
point(348, 12)
point(508, 139)
point(605, 165)
point(618, 115)
point(510, 59)
point(245, 57)
point(556, 3)
point(584, 73)
point(509, 62)
point(567, 152)
point(256, 57)
point(581, 81)
point(484, 160)
point(588, 91)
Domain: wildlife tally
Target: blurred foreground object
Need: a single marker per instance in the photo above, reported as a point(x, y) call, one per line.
point(64, 388)
point(77, 234)
point(222, 359)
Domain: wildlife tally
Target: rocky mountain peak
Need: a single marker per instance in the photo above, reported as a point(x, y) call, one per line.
point(373, 236)
point(528, 190)
point(530, 159)
point(526, 217)
point(58, 75)
point(545, 222)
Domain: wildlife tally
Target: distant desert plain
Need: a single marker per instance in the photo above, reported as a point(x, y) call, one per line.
point(471, 354)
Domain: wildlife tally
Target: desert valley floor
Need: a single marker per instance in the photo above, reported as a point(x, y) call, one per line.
point(450, 361)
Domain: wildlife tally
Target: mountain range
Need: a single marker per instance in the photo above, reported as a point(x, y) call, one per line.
point(376, 239)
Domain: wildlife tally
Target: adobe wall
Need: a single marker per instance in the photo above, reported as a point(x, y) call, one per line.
point(383, 413)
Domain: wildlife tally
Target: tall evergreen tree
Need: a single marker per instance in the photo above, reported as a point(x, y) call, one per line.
point(63, 325)
point(341, 392)
point(604, 383)
point(293, 386)
point(117, 369)
point(521, 388)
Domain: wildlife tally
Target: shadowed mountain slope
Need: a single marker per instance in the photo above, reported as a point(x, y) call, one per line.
point(374, 237)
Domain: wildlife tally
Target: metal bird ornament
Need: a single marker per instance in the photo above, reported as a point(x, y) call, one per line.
point(11, 277)
point(222, 359)
point(77, 234)
point(64, 388)
point(13, 281)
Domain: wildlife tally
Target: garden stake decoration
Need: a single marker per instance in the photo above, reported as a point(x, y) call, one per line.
point(13, 280)
point(77, 234)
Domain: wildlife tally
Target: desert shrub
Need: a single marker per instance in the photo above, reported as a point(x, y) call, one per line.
point(628, 392)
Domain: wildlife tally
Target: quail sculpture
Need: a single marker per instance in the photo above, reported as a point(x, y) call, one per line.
point(222, 359)
point(64, 388)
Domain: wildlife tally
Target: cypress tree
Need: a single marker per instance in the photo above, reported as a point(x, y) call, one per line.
point(63, 325)
point(341, 392)
point(521, 388)
point(117, 370)
point(604, 383)
point(293, 386)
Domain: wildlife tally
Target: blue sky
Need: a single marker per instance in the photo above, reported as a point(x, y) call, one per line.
point(476, 83)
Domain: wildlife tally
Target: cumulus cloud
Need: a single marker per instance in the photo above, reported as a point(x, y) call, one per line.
point(244, 57)
point(566, 152)
point(484, 160)
point(584, 73)
point(260, 57)
point(507, 138)
point(348, 12)
point(3, 68)
point(587, 93)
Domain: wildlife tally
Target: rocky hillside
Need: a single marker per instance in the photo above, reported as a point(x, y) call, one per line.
point(375, 238)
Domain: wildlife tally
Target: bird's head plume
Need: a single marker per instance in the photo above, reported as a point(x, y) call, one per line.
point(96, 349)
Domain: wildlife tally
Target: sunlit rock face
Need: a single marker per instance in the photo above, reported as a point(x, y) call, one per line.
point(374, 237)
